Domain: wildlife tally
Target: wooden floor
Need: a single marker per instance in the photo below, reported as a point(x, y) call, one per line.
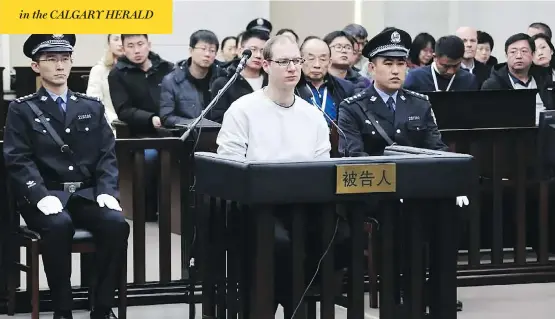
point(531, 301)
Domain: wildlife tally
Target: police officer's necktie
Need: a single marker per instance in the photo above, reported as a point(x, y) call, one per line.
point(391, 104)
point(61, 105)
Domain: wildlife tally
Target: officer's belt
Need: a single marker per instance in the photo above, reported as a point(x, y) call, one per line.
point(70, 187)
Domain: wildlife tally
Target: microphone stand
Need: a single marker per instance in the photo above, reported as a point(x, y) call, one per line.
point(215, 100)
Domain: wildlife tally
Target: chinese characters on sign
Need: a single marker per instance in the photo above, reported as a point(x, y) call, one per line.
point(366, 178)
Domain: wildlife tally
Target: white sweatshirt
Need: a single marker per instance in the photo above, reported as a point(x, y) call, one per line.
point(257, 129)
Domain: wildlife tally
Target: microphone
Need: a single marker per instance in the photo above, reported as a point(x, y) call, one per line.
point(242, 63)
point(339, 130)
point(245, 56)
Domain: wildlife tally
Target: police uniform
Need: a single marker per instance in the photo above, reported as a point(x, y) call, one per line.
point(408, 121)
point(38, 167)
point(260, 24)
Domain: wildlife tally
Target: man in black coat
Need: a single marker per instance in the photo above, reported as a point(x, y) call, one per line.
point(73, 185)
point(252, 77)
point(469, 36)
point(520, 73)
point(135, 85)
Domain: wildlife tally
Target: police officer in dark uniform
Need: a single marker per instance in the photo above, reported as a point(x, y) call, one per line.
point(406, 117)
point(59, 152)
point(385, 113)
point(260, 24)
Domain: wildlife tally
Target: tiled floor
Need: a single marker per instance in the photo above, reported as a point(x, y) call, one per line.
point(532, 301)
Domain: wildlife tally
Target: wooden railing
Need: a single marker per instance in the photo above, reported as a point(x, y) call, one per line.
point(496, 247)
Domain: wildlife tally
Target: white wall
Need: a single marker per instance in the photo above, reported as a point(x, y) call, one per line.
point(225, 18)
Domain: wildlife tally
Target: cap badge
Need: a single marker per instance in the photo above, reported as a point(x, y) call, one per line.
point(259, 21)
point(57, 36)
point(395, 37)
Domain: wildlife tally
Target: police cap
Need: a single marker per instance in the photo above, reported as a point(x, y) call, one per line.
point(260, 24)
point(389, 43)
point(38, 43)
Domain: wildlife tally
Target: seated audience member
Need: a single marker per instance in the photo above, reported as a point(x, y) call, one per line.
point(135, 90)
point(469, 36)
point(290, 33)
point(359, 33)
point(484, 48)
point(135, 85)
point(342, 49)
point(421, 51)
point(520, 73)
point(228, 50)
point(543, 56)
point(539, 27)
point(316, 85)
point(186, 90)
point(98, 78)
point(444, 74)
point(274, 124)
point(252, 77)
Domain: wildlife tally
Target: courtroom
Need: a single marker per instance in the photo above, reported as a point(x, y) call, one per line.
point(281, 159)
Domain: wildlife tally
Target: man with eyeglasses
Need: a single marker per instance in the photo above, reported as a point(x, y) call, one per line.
point(520, 73)
point(316, 85)
point(342, 47)
point(59, 152)
point(251, 79)
point(274, 124)
point(186, 90)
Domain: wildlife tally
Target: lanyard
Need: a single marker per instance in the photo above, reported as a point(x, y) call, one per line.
point(434, 70)
point(324, 99)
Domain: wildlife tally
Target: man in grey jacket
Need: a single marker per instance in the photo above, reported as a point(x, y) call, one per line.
point(185, 91)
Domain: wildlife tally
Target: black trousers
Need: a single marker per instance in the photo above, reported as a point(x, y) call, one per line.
point(110, 231)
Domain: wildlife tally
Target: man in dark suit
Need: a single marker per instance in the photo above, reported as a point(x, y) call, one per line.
point(445, 73)
point(59, 153)
point(469, 36)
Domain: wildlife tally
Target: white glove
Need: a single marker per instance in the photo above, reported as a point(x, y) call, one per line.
point(462, 201)
point(50, 205)
point(108, 201)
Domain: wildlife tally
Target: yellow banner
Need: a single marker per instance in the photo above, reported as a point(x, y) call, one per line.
point(366, 178)
point(86, 17)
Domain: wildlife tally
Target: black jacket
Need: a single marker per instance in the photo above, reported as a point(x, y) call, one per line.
point(236, 90)
point(499, 80)
point(33, 160)
point(358, 80)
point(412, 124)
point(136, 93)
point(339, 89)
point(180, 97)
point(481, 72)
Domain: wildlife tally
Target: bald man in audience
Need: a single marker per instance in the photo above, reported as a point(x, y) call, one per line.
point(469, 63)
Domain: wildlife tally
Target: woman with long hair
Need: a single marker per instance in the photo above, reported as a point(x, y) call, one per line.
point(98, 78)
point(422, 50)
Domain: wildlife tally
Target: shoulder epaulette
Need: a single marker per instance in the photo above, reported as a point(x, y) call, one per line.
point(25, 98)
point(415, 94)
point(88, 97)
point(356, 97)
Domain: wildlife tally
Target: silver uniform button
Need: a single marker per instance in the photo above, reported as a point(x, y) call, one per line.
point(373, 132)
point(398, 131)
point(44, 131)
point(70, 168)
point(68, 130)
point(86, 129)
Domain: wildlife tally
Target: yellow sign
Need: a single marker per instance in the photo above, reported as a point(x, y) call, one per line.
point(86, 17)
point(366, 178)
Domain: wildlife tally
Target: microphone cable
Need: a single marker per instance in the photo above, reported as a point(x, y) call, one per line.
point(300, 302)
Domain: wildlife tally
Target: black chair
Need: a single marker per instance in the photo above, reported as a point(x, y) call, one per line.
point(83, 243)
